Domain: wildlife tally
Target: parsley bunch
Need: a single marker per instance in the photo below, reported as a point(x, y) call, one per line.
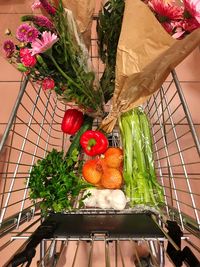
point(56, 181)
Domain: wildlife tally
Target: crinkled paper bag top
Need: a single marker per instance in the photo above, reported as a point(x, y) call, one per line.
point(83, 11)
point(146, 54)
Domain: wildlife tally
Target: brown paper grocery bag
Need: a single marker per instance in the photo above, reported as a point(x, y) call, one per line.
point(83, 11)
point(145, 56)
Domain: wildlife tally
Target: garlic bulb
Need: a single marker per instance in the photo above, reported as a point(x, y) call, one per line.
point(102, 199)
point(91, 201)
point(118, 199)
point(105, 199)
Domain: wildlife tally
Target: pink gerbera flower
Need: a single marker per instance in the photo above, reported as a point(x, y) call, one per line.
point(8, 47)
point(168, 27)
point(21, 33)
point(48, 83)
point(165, 11)
point(192, 9)
point(184, 27)
point(47, 40)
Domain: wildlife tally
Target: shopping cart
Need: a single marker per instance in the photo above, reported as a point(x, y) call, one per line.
point(34, 129)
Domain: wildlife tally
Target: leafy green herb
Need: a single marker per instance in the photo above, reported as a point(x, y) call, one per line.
point(56, 181)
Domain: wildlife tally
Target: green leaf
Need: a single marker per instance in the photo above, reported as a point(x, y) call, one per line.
point(22, 68)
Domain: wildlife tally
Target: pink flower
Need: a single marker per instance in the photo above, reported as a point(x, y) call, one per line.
point(23, 52)
point(40, 21)
point(22, 32)
point(48, 83)
point(32, 34)
point(165, 11)
point(36, 5)
point(193, 8)
point(168, 27)
point(184, 27)
point(47, 40)
point(49, 8)
point(26, 58)
point(8, 47)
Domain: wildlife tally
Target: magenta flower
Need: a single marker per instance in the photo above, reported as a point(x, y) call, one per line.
point(27, 59)
point(8, 47)
point(49, 8)
point(168, 27)
point(184, 27)
point(36, 5)
point(165, 11)
point(24, 51)
point(193, 8)
point(22, 32)
point(32, 34)
point(40, 21)
point(47, 40)
point(48, 83)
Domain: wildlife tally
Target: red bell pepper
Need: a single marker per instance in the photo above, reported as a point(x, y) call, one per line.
point(94, 142)
point(72, 121)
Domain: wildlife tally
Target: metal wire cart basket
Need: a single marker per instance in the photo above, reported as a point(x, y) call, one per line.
point(34, 129)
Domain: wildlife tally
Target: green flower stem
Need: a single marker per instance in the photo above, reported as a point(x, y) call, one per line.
point(62, 72)
point(69, 79)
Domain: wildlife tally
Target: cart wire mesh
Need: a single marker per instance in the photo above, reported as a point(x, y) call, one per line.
point(33, 130)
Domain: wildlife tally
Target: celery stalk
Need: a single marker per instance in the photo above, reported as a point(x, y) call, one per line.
point(141, 185)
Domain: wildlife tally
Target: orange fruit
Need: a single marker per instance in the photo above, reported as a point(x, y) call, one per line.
point(111, 178)
point(92, 171)
point(114, 157)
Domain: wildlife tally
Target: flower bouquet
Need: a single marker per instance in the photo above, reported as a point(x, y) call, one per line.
point(50, 50)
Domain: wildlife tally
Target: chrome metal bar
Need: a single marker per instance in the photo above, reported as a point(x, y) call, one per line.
point(50, 129)
point(163, 110)
point(36, 123)
point(47, 255)
point(107, 254)
point(14, 191)
point(76, 253)
point(17, 149)
point(18, 161)
point(170, 168)
point(189, 223)
point(158, 162)
point(10, 223)
point(180, 165)
point(91, 253)
point(116, 254)
point(161, 249)
point(121, 254)
point(33, 160)
point(177, 152)
point(23, 231)
point(186, 110)
point(13, 113)
point(179, 122)
point(41, 101)
point(183, 163)
point(135, 252)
